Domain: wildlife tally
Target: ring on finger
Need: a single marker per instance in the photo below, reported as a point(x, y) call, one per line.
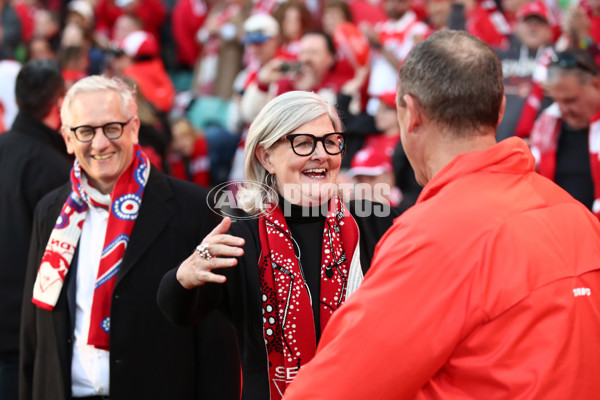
point(204, 251)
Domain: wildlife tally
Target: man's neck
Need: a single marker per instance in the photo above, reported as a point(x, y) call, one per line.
point(447, 147)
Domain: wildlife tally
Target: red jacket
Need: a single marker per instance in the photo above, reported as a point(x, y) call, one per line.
point(154, 82)
point(487, 288)
point(487, 23)
point(188, 17)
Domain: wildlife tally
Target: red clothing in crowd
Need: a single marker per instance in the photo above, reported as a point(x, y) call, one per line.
point(25, 12)
point(152, 13)
point(487, 288)
point(154, 82)
point(398, 37)
point(544, 143)
point(188, 17)
point(196, 169)
point(487, 23)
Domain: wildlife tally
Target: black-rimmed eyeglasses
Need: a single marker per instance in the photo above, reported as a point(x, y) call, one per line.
point(112, 130)
point(566, 60)
point(304, 144)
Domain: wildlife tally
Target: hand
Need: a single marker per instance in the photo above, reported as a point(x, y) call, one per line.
point(577, 22)
point(271, 71)
point(196, 270)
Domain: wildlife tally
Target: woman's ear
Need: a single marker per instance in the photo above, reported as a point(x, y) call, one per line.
point(264, 159)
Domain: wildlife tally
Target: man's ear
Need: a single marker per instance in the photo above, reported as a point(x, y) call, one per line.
point(264, 158)
point(135, 126)
point(502, 109)
point(68, 138)
point(596, 82)
point(415, 112)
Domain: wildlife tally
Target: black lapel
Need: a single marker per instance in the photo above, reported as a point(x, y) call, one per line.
point(155, 213)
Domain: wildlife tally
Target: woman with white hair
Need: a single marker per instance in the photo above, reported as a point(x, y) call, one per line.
point(281, 275)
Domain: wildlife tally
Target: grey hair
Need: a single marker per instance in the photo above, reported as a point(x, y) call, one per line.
point(279, 117)
point(457, 80)
point(98, 83)
point(585, 69)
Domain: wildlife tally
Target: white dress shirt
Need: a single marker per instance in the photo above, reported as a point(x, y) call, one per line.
point(89, 365)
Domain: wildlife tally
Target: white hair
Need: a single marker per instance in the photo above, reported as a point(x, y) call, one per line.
point(98, 83)
point(279, 117)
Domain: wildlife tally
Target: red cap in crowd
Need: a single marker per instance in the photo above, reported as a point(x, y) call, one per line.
point(536, 8)
point(388, 98)
point(139, 44)
point(370, 161)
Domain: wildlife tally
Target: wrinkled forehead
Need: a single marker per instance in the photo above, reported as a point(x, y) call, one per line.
point(94, 105)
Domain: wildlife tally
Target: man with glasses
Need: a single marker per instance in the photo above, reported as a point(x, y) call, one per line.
point(91, 328)
point(566, 137)
point(489, 286)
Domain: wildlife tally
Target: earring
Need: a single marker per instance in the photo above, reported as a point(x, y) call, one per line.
point(270, 180)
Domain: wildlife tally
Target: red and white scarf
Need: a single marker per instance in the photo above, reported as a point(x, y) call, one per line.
point(288, 325)
point(123, 204)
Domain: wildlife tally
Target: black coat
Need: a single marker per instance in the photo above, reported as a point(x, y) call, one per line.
point(33, 161)
point(240, 297)
point(149, 357)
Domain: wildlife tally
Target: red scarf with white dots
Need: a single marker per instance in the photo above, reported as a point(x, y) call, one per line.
point(123, 205)
point(288, 324)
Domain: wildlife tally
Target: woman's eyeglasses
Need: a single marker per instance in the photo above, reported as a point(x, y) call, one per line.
point(567, 60)
point(304, 144)
point(112, 130)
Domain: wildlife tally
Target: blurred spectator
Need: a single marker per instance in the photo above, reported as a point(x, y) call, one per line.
point(46, 24)
point(124, 25)
point(187, 18)
point(316, 72)
point(26, 12)
point(367, 11)
point(73, 35)
point(81, 15)
point(221, 58)
point(482, 19)
point(33, 161)
point(566, 137)
point(269, 6)
point(10, 30)
point(263, 40)
point(510, 7)
point(188, 156)
point(80, 12)
point(8, 76)
point(438, 12)
point(40, 47)
point(352, 50)
point(586, 29)
point(74, 64)
point(262, 37)
point(152, 13)
point(335, 12)
point(391, 41)
point(139, 60)
point(372, 170)
point(155, 134)
point(524, 64)
point(386, 122)
point(294, 20)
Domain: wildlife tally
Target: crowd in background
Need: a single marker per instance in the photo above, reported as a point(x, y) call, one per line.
point(204, 68)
